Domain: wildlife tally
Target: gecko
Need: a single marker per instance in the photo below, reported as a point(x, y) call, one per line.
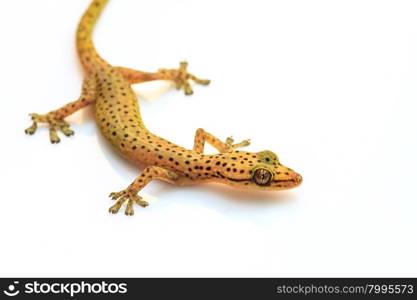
point(108, 89)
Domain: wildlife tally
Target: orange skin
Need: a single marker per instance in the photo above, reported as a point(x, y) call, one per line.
point(117, 113)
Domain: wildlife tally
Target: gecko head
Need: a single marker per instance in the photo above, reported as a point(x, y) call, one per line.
point(258, 171)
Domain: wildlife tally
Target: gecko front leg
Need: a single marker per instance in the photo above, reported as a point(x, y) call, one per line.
point(202, 136)
point(131, 193)
point(55, 118)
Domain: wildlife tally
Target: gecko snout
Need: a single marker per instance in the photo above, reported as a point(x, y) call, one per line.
point(294, 178)
point(298, 179)
point(286, 178)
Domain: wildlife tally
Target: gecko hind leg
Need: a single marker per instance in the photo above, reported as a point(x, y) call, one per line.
point(182, 78)
point(179, 76)
point(55, 118)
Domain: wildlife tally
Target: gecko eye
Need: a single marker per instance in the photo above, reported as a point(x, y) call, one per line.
point(262, 177)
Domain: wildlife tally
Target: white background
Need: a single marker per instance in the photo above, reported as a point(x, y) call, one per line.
point(330, 86)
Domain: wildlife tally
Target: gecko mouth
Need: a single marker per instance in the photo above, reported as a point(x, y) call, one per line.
point(234, 179)
point(297, 180)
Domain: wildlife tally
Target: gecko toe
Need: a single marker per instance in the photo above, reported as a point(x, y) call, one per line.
point(67, 131)
point(188, 90)
point(32, 129)
point(113, 209)
point(245, 143)
point(129, 208)
point(230, 140)
point(53, 136)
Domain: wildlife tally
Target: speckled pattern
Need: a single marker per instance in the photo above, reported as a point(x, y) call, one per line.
point(117, 113)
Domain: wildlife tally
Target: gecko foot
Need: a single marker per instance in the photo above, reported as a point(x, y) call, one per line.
point(182, 78)
point(131, 199)
point(230, 142)
point(54, 125)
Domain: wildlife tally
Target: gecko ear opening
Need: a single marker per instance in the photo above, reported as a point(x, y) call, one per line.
point(262, 177)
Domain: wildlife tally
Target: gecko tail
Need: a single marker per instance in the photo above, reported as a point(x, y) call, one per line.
point(85, 46)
